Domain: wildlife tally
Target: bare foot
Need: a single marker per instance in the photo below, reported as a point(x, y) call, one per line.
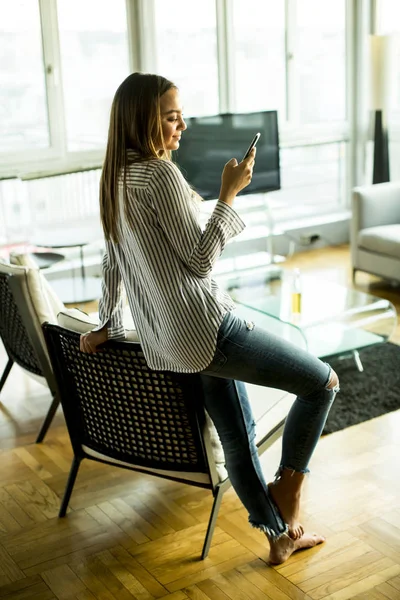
point(285, 546)
point(288, 502)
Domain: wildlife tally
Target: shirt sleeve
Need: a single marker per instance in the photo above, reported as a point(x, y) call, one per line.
point(171, 198)
point(111, 305)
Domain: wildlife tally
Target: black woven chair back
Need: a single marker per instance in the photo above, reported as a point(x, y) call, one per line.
point(13, 332)
point(114, 404)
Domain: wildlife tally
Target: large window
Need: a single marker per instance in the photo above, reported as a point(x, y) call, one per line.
point(293, 61)
point(94, 61)
point(291, 56)
point(186, 42)
point(23, 101)
point(319, 57)
point(259, 52)
point(63, 60)
point(314, 178)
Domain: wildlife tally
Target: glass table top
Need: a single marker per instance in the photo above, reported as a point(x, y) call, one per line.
point(333, 319)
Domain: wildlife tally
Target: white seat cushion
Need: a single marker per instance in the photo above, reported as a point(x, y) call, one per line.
point(188, 476)
point(36, 287)
point(80, 322)
point(384, 239)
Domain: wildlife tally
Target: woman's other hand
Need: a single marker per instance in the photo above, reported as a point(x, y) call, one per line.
point(235, 177)
point(90, 342)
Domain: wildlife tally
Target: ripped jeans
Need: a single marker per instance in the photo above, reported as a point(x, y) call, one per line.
point(246, 353)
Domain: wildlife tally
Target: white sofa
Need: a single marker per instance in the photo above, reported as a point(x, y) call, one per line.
point(375, 230)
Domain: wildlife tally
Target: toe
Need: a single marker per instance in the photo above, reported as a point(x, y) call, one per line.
point(296, 532)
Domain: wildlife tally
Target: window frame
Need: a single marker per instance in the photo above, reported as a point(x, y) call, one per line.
point(49, 36)
point(57, 157)
point(292, 133)
point(143, 57)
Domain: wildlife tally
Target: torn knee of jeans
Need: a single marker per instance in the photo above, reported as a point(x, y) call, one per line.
point(333, 381)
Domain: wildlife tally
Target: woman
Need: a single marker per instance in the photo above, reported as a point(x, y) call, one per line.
point(156, 249)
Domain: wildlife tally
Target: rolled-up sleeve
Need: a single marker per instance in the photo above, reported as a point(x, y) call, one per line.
point(111, 304)
point(170, 196)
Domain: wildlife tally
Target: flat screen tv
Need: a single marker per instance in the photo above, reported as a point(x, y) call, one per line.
point(209, 142)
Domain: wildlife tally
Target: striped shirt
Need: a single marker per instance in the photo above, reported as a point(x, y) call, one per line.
point(164, 261)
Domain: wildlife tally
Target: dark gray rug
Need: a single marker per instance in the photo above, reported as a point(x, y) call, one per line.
point(369, 394)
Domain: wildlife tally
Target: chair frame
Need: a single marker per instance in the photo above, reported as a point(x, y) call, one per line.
point(191, 386)
point(37, 351)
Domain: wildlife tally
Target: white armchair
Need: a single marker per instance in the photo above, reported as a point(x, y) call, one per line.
point(375, 230)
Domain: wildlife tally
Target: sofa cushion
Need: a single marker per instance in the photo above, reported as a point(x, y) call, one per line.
point(33, 286)
point(45, 300)
point(384, 239)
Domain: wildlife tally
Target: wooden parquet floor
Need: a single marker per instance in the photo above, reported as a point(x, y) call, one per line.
point(130, 536)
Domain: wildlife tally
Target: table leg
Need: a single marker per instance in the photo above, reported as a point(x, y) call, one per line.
point(82, 263)
point(358, 361)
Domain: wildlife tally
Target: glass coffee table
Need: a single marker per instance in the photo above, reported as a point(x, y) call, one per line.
point(333, 320)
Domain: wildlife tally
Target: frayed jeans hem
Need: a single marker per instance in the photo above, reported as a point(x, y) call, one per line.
point(282, 468)
point(269, 532)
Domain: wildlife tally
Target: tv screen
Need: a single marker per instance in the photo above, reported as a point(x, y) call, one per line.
point(209, 142)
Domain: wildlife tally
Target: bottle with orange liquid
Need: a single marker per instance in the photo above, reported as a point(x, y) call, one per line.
point(296, 292)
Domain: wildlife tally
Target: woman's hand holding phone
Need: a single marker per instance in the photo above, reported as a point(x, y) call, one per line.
point(235, 177)
point(252, 145)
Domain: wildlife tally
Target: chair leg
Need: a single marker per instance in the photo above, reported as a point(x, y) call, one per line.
point(354, 275)
point(70, 484)
point(212, 521)
point(6, 373)
point(49, 417)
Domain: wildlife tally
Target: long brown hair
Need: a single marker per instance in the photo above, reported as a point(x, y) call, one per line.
point(135, 123)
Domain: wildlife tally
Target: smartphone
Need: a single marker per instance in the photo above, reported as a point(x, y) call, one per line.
point(253, 143)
